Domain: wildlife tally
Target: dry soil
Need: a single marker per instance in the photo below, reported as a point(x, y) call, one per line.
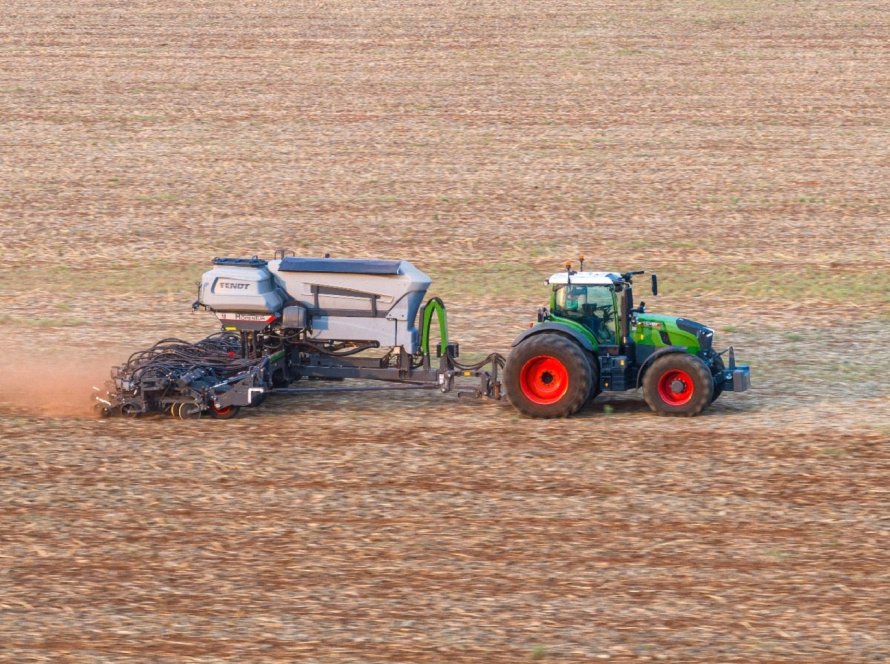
point(738, 148)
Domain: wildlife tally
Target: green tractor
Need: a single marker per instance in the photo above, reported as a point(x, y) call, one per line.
point(592, 339)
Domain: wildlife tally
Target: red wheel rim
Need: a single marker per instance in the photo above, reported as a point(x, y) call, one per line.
point(222, 412)
point(675, 387)
point(544, 379)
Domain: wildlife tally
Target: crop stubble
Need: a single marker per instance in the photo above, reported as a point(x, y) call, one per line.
point(719, 143)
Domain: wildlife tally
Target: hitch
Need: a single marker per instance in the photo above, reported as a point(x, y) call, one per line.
point(486, 370)
point(736, 378)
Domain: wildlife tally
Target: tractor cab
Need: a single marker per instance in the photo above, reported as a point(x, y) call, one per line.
point(589, 299)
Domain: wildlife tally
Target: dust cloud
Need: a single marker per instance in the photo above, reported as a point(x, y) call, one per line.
point(55, 383)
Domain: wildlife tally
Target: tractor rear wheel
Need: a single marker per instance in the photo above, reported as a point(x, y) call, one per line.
point(548, 375)
point(678, 384)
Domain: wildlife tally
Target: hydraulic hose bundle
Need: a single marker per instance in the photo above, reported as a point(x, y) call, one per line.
point(181, 378)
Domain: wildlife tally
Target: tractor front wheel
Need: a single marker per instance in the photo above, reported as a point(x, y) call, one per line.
point(678, 384)
point(548, 375)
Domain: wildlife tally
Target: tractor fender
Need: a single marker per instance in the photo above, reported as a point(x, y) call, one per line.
point(555, 328)
point(667, 350)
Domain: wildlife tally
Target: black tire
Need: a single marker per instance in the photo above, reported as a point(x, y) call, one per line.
point(717, 368)
point(130, 410)
point(548, 375)
point(226, 413)
point(279, 378)
point(678, 384)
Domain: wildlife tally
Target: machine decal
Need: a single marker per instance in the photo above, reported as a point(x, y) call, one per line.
point(253, 318)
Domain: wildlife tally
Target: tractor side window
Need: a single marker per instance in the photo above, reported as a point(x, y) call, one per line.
point(592, 306)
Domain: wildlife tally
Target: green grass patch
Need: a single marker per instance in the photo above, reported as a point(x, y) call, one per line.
point(501, 279)
point(161, 197)
point(821, 284)
point(777, 287)
point(638, 244)
point(683, 244)
point(42, 322)
point(55, 322)
point(158, 277)
point(148, 118)
point(831, 452)
point(538, 653)
point(789, 284)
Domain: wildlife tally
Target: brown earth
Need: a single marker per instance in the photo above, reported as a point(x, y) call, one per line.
point(740, 149)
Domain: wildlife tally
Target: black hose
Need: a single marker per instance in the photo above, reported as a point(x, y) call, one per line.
point(495, 359)
point(337, 353)
point(171, 359)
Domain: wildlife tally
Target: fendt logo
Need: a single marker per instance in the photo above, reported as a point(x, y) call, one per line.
point(233, 285)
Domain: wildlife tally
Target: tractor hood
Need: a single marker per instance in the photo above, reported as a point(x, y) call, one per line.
point(672, 331)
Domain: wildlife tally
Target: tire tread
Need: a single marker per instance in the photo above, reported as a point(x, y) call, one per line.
point(695, 367)
point(580, 369)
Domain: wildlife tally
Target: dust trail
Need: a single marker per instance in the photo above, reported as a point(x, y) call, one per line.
point(54, 383)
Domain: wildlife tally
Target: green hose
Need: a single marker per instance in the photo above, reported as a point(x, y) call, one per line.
point(434, 304)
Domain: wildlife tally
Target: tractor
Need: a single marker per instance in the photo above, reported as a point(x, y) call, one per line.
point(292, 322)
point(592, 339)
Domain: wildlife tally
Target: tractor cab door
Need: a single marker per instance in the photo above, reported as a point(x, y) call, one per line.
point(593, 306)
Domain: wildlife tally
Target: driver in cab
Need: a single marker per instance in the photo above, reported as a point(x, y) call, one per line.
point(579, 308)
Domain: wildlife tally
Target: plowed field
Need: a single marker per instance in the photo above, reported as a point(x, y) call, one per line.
point(740, 149)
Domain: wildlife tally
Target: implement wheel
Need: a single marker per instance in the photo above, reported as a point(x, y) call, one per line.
point(548, 375)
point(225, 413)
point(188, 410)
point(678, 384)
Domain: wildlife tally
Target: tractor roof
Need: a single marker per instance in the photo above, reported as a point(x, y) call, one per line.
point(586, 278)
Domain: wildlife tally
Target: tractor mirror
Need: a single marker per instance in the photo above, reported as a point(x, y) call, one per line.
point(655, 284)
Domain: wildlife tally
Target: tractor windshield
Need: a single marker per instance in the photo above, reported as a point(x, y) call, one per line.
point(592, 306)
